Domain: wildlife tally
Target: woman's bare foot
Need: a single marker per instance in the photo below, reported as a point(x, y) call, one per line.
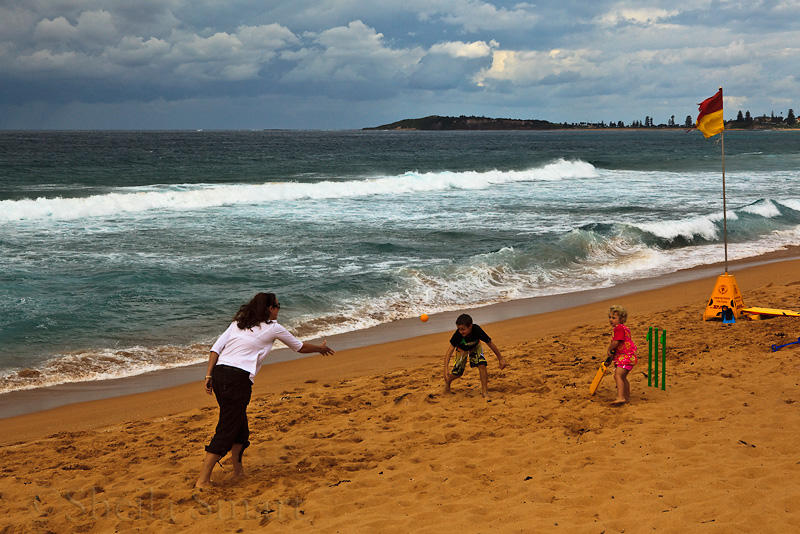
point(204, 480)
point(618, 402)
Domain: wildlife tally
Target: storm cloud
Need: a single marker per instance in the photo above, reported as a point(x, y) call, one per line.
point(348, 64)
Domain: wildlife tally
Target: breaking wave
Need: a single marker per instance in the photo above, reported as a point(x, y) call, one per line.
point(204, 196)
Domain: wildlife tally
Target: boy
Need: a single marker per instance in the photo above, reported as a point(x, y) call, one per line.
point(466, 341)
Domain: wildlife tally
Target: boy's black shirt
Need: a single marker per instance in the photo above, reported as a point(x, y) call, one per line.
point(468, 343)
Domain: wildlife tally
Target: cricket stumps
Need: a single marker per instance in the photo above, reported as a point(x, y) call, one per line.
point(652, 358)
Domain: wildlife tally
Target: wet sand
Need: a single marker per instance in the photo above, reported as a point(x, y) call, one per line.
point(365, 441)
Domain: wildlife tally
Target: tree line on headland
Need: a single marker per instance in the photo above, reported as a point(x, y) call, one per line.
point(437, 122)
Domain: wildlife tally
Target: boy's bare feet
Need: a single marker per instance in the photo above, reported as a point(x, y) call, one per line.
point(447, 379)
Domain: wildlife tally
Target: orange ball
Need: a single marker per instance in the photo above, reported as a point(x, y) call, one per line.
point(423, 317)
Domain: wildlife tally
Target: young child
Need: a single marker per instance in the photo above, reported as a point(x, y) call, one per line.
point(623, 352)
point(466, 342)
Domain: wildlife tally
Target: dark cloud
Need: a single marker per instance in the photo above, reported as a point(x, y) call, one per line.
point(69, 59)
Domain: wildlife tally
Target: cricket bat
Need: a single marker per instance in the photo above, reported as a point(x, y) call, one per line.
point(598, 376)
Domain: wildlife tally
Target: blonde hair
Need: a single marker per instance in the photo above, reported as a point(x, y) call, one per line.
point(620, 311)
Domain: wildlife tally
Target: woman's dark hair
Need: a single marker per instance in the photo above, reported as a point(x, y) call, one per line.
point(256, 311)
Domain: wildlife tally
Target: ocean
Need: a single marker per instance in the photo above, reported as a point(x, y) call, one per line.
point(128, 252)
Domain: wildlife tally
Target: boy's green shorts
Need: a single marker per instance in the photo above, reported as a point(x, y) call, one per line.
point(475, 356)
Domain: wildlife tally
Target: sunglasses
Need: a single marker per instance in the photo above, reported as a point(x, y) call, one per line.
point(276, 305)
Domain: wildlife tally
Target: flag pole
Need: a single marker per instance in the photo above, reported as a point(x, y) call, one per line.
point(724, 204)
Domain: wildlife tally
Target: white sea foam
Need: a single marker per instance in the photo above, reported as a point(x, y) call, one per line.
point(490, 278)
point(791, 203)
point(100, 364)
point(706, 227)
point(689, 228)
point(765, 208)
point(204, 196)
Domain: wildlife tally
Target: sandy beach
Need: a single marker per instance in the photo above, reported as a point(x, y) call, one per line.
point(365, 441)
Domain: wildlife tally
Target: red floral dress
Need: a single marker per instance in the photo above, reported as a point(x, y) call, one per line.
point(626, 351)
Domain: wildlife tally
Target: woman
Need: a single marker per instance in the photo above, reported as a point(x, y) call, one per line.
point(233, 363)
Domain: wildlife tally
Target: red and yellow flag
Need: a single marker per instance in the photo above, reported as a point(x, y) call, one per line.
point(709, 120)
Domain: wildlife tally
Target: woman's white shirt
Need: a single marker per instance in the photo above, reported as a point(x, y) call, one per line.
point(247, 349)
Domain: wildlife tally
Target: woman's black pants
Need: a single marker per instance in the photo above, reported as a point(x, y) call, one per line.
point(232, 388)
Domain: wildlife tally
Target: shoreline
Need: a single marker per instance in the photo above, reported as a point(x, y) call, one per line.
point(84, 405)
point(28, 401)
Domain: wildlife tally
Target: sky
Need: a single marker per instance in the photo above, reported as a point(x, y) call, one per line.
point(348, 64)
